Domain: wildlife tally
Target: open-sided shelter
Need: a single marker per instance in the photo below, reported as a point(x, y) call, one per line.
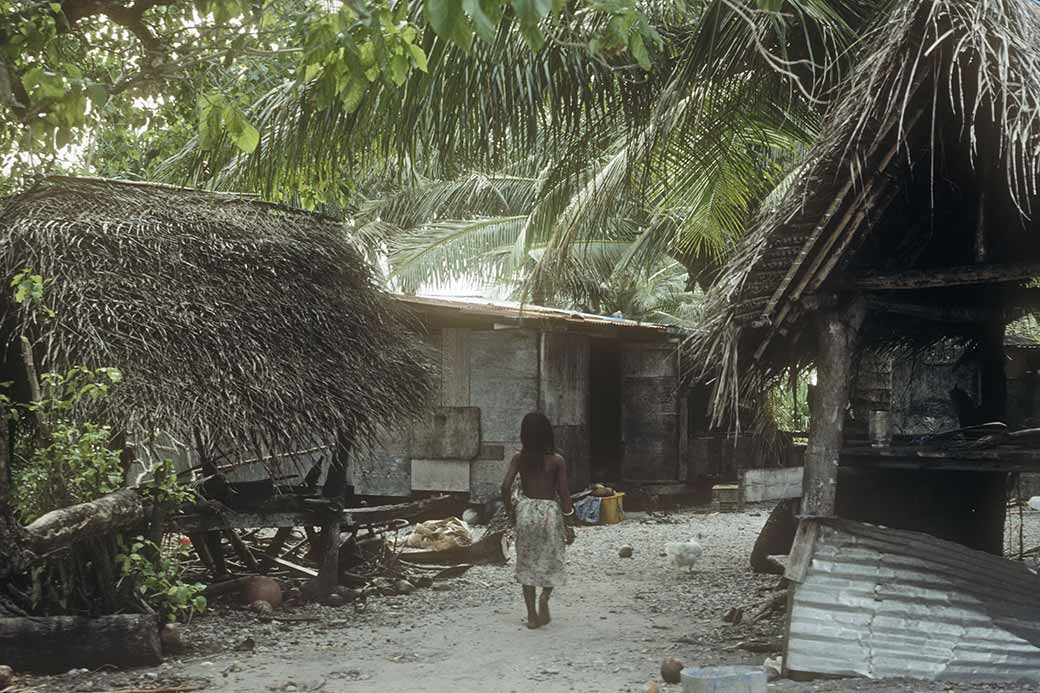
point(240, 327)
point(913, 222)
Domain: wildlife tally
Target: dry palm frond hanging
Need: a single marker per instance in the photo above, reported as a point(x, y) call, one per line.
point(250, 325)
point(936, 81)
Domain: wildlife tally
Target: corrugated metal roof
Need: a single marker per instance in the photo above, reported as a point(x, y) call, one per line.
point(517, 312)
point(884, 603)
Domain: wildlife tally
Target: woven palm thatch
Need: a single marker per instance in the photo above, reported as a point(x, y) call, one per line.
point(944, 94)
point(243, 324)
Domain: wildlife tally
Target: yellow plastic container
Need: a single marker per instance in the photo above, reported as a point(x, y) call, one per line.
point(612, 509)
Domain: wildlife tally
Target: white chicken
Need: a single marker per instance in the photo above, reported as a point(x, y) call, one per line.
point(685, 554)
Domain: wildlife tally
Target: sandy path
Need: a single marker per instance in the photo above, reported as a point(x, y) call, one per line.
point(613, 623)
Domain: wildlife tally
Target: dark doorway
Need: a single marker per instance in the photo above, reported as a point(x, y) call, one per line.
point(605, 411)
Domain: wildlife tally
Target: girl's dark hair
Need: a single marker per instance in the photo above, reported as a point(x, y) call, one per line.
point(536, 435)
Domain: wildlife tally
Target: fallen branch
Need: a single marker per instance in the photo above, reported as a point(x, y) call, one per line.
point(776, 604)
point(60, 529)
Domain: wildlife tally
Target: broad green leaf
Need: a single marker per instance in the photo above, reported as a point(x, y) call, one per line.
point(98, 94)
point(399, 67)
point(530, 11)
point(486, 25)
point(242, 132)
point(449, 21)
point(352, 95)
point(533, 36)
point(311, 71)
point(639, 51)
point(210, 107)
point(418, 57)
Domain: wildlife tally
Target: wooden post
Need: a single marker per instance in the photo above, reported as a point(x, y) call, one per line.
point(991, 488)
point(336, 481)
point(837, 333)
point(335, 488)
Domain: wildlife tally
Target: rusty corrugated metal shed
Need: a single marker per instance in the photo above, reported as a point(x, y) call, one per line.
point(880, 603)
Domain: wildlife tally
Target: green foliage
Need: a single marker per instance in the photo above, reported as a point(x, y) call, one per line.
point(165, 488)
point(76, 466)
point(28, 288)
point(73, 463)
point(1027, 327)
point(158, 577)
point(789, 404)
point(217, 116)
point(76, 75)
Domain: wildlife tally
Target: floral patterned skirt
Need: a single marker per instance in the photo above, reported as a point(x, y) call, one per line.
point(539, 543)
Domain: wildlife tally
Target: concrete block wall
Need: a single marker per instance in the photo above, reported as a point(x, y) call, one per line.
point(493, 371)
point(503, 374)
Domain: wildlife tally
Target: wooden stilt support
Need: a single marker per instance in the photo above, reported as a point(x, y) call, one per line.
point(837, 338)
point(328, 573)
point(242, 551)
point(274, 548)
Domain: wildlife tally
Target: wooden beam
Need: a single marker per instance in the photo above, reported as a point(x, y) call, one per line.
point(888, 128)
point(967, 275)
point(844, 233)
point(289, 565)
point(837, 333)
point(935, 313)
point(207, 522)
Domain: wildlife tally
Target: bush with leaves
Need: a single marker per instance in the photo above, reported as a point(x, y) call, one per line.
point(158, 577)
point(76, 463)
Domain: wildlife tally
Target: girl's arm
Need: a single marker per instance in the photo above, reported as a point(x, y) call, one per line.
point(507, 484)
point(562, 487)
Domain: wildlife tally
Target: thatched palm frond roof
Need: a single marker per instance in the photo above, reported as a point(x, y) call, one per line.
point(944, 93)
point(249, 324)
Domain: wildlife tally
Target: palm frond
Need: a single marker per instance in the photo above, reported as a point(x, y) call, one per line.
point(441, 252)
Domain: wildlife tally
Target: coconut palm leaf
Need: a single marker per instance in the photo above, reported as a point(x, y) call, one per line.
point(441, 252)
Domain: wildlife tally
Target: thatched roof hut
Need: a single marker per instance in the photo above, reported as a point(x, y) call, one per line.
point(240, 323)
point(921, 195)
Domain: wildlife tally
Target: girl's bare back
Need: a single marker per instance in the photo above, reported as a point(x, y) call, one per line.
point(542, 480)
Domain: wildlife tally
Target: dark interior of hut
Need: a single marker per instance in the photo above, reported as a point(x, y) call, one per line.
point(605, 410)
point(949, 257)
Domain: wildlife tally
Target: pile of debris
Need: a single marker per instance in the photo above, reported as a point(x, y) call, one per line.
point(390, 553)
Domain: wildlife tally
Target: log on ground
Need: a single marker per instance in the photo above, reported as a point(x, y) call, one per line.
point(61, 528)
point(55, 644)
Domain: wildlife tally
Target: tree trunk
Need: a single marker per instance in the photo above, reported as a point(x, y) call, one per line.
point(56, 644)
point(837, 337)
point(59, 529)
point(776, 538)
point(15, 555)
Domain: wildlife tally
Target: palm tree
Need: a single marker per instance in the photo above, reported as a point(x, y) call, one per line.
point(590, 158)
